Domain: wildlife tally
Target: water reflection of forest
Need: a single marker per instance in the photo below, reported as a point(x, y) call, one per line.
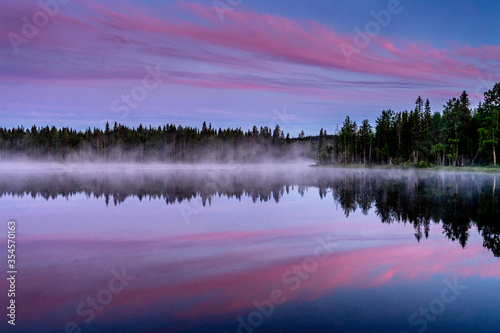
point(457, 200)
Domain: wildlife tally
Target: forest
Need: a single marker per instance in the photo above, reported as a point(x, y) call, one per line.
point(169, 143)
point(459, 135)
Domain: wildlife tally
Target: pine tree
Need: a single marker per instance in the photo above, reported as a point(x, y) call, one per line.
point(417, 125)
point(451, 119)
point(384, 136)
point(465, 125)
point(489, 130)
point(366, 134)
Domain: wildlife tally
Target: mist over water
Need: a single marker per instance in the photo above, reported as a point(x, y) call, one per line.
point(457, 200)
point(205, 243)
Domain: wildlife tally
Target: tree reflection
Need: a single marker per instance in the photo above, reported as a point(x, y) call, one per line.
point(458, 201)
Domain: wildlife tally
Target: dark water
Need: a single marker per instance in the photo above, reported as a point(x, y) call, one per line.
point(252, 249)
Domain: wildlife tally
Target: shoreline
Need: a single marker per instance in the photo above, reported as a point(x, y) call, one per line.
point(475, 169)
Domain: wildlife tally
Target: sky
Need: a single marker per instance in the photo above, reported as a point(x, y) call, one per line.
point(237, 63)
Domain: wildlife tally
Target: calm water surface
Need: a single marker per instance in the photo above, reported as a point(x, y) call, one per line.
point(252, 249)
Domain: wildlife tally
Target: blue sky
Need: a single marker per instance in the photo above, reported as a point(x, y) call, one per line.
point(259, 63)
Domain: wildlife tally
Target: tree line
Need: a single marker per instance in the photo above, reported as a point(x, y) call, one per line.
point(168, 143)
point(457, 136)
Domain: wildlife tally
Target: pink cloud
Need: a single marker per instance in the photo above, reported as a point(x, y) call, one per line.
point(103, 43)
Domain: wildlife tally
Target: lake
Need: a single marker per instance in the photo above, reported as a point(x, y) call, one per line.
point(256, 248)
